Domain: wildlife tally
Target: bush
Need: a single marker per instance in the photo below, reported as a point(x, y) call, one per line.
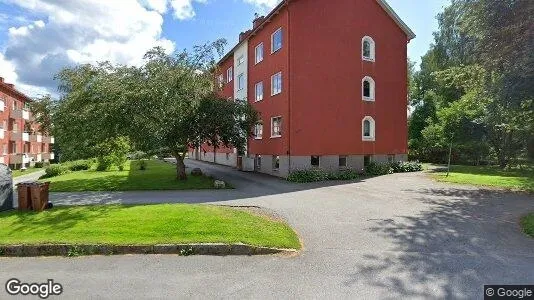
point(378, 169)
point(56, 170)
point(79, 165)
point(104, 163)
point(406, 166)
point(142, 165)
point(312, 175)
point(346, 175)
point(39, 164)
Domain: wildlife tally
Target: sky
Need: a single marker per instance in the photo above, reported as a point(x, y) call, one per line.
point(40, 37)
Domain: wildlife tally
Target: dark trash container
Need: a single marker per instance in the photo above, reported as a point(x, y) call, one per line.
point(6, 188)
point(23, 199)
point(39, 195)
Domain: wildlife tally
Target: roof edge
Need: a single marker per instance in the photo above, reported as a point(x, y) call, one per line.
point(411, 35)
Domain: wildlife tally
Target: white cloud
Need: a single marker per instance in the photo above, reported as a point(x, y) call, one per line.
point(265, 5)
point(82, 31)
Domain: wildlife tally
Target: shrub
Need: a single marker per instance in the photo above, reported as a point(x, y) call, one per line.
point(79, 165)
point(312, 175)
point(378, 169)
point(39, 164)
point(56, 170)
point(346, 175)
point(403, 167)
point(104, 163)
point(142, 165)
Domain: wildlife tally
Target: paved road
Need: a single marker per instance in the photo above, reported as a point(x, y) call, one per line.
point(397, 236)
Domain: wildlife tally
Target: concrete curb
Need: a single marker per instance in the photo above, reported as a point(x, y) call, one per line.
point(180, 249)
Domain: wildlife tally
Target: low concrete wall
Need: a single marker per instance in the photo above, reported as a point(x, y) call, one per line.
point(220, 158)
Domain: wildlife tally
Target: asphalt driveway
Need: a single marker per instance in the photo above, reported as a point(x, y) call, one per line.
point(394, 236)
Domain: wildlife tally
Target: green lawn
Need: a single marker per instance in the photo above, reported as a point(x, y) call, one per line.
point(491, 176)
point(158, 176)
point(528, 224)
point(144, 225)
point(17, 173)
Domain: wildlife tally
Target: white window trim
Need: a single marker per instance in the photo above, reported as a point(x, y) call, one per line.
point(256, 91)
point(229, 74)
point(256, 137)
point(242, 75)
point(272, 128)
point(371, 138)
point(272, 41)
point(240, 60)
point(372, 88)
point(272, 84)
point(372, 58)
point(274, 158)
point(256, 61)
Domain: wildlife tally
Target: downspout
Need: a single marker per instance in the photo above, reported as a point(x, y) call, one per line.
point(289, 83)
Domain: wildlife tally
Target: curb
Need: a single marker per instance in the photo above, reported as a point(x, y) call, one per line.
point(180, 249)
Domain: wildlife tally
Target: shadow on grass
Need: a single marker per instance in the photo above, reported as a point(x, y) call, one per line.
point(463, 240)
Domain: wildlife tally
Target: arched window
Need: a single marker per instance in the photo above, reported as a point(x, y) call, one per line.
point(368, 89)
point(368, 48)
point(368, 129)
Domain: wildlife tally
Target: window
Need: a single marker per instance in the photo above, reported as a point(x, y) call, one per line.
point(13, 147)
point(229, 74)
point(391, 158)
point(6, 151)
point(227, 156)
point(241, 60)
point(368, 89)
point(276, 40)
point(276, 127)
point(220, 80)
point(240, 81)
point(258, 131)
point(368, 129)
point(342, 161)
point(315, 161)
point(368, 48)
point(259, 91)
point(259, 53)
point(276, 163)
point(366, 160)
point(276, 84)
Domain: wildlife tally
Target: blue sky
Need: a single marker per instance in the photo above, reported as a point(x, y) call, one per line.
point(38, 37)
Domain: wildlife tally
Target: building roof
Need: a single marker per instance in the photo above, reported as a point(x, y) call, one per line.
point(11, 89)
point(276, 10)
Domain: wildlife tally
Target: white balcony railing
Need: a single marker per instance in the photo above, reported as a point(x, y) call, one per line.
point(39, 158)
point(39, 138)
point(1, 133)
point(25, 115)
point(51, 140)
point(26, 136)
point(2, 105)
point(26, 159)
point(2, 161)
point(51, 155)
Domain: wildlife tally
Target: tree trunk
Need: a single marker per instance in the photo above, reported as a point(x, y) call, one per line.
point(180, 168)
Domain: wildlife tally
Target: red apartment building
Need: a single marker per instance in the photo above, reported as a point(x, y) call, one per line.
point(20, 141)
point(330, 81)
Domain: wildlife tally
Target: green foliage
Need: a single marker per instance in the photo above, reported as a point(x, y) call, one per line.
point(79, 165)
point(345, 175)
point(39, 164)
point(378, 169)
point(113, 152)
point(312, 175)
point(406, 166)
point(527, 222)
point(187, 251)
point(75, 251)
point(56, 170)
point(142, 165)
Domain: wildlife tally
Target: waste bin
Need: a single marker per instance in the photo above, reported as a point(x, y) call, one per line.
point(6, 188)
point(39, 195)
point(24, 200)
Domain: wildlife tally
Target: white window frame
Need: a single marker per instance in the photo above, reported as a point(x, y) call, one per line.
point(258, 128)
point(372, 56)
point(240, 60)
point(229, 74)
point(279, 135)
point(256, 60)
point(273, 91)
point(239, 78)
point(372, 130)
point(372, 89)
point(279, 30)
point(276, 158)
point(258, 96)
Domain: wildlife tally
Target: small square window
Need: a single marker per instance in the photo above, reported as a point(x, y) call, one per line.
point(227, 156)
point(259, 53)
point(276, 40)
point(366, 160)
point(276, 127)
point(342, 161)
point(258, 162)
point(391, 158)
point(315, 161)
point(276, 163)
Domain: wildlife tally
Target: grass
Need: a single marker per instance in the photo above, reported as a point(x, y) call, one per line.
point(492, 176)
point(17, 173)
point(528, 224)
point(144, 225)
point(157, 176)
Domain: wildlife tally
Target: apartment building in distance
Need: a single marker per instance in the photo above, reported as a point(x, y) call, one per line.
point(20, 139)
point(329, 79)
